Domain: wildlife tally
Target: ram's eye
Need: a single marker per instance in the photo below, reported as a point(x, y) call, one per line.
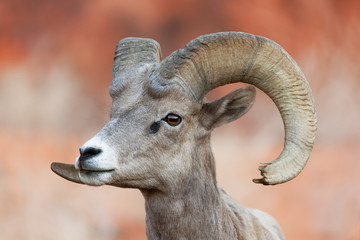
point(172, 119)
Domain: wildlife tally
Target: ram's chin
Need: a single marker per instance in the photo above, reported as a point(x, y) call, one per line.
point(95, 178)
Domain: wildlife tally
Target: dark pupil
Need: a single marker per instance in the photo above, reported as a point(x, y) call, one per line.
point(173, 119)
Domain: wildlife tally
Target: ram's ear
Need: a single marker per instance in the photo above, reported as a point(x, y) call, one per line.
point(228, 108)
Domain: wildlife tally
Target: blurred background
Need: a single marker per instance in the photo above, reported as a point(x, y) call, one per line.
point(55, 69)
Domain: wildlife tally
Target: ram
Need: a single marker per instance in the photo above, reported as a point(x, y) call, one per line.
point(158, 136)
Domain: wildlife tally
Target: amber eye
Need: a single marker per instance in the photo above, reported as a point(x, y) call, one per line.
point(172, 119)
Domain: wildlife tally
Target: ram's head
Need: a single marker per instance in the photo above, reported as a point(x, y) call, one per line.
point(158, 115)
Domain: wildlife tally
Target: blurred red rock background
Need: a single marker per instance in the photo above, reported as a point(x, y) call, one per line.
point(55, 69)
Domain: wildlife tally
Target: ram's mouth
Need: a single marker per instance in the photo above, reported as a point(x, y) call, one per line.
point(89, 171)
point(86, 169)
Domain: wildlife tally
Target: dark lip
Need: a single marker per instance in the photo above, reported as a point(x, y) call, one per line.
point(84, 171)
point(87, 169)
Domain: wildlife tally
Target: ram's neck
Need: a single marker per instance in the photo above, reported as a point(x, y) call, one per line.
point(195, 210)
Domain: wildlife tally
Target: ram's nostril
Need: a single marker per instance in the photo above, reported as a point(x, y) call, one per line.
point(88, 153)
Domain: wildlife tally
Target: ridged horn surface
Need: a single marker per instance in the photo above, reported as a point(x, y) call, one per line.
point(131, 53)
point(217, 59)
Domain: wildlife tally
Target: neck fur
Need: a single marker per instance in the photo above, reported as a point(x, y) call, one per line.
point(194, 210)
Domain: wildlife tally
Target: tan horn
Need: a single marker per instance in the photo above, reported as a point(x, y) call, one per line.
point(131, 53)
point(217, 59)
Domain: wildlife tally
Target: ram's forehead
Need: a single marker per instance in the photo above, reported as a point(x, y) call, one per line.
point(172, 98)
point(128, 96)
point(131, 79)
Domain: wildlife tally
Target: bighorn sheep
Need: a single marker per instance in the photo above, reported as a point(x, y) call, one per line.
point(158, 135)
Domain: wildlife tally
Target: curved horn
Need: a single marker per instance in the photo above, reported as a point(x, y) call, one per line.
point(132, 52)
point(222, 58)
